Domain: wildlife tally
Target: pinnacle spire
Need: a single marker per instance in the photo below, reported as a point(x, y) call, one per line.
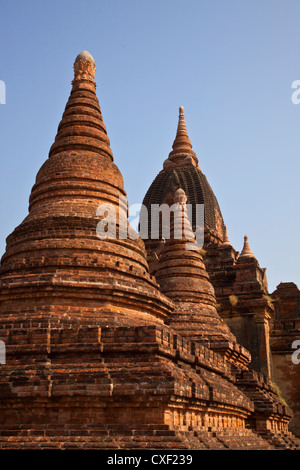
point(180, 224)
point(82, 128)
point(182, 139)
point(246, 252)
point(183, 278)
point(182, 147)
point(76, 189)
point(181, 258)
point(226, 240)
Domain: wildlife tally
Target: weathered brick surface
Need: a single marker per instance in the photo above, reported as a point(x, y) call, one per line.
point(90, 360)
point(239, 283)
point(182, 276)
point(284, 331)
point(56, 248)
point(140, 382)
point(231, 276)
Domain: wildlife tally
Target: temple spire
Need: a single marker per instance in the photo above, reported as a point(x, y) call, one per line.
point(181, 273)
point(82, 128)
point(78, 192)
point(246, 252)
point(226, 240)
point(182, 139)
point(180, 224)
point(182, 153)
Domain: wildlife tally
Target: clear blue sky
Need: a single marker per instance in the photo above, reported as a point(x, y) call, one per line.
point(230, 63)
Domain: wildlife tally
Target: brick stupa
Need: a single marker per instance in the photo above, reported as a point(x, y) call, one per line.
point(91, 362)
point(182, 276)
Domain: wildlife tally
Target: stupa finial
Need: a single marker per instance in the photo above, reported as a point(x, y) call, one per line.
point(84, 67)
point(182, 153)
point(182, 138)
point(246, 252)
point(226, 239)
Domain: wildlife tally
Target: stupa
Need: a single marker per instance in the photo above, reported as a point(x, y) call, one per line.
point(265, 324)
point(93, 359)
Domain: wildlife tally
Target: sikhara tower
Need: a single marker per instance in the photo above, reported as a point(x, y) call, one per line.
point(94, 356)
point(239, 282)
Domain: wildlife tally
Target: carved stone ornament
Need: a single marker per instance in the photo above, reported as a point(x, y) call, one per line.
point(84, 67)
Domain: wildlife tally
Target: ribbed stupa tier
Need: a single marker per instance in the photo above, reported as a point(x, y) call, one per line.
point(82, 126)
point(55, 261)
point(182, 276)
